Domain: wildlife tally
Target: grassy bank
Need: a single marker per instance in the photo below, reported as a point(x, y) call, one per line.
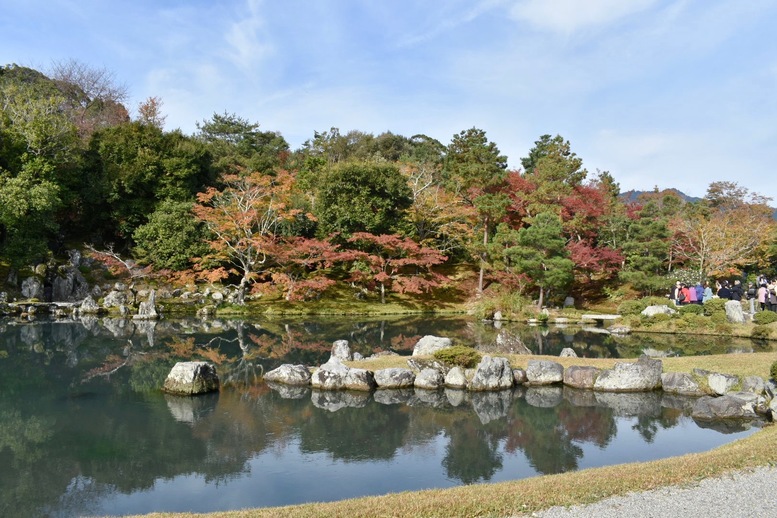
point(525, 496)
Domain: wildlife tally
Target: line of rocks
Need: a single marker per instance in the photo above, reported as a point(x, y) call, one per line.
point(720, 396)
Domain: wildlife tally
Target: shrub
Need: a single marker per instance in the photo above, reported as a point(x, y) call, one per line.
point(719, 318)
point(631, 307)
point(713, 306)
point(692, 309)
point(460, 355)
point(773, 371)
point(761, 333)
point(765, 317)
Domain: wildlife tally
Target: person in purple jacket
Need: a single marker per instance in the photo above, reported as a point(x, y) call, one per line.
point(699, 292)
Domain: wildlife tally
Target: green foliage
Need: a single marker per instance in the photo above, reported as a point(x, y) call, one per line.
point(362, 197)
point(765, 317)
point(460, 355)
point(714, 307)
point(635, 307)
point(171, 237)
point(695, 309)
point(645, 247)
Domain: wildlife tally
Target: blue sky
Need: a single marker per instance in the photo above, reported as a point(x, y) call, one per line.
point(660, 93)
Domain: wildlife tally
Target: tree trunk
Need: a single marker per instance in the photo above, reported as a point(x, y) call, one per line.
point(382, 293)
point(542, 297)
point(483, 258)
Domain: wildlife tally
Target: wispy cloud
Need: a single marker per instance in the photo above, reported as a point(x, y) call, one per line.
point(567, 16)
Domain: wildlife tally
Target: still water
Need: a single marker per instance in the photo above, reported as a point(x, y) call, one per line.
point(84, 429)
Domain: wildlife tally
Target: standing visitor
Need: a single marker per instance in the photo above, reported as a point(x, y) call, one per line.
point(707, 292)
point(762, 292)
point(699, 292)
point(685, 295)
point(691, 295)
point(772, 294)
point(724, 292)
point(674, 293)
point(737, 291)
point(750, 294)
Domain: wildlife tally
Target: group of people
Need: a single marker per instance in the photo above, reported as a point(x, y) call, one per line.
point(765, 293)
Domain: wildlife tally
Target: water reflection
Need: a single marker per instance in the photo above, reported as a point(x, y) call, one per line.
point(84, 430)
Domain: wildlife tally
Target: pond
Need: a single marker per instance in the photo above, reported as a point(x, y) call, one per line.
point(85, 430)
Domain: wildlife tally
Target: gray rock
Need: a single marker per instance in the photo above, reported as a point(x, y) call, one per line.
point(723, 407)
point(419, 364)
point(544, 372)
point(455, 378)
point(430, 344)
point(147, 310)
point(115, 299)
point(89, 307)
point(456, 397)
point(191, 378)
point(492, 374)
point(754, 384)
point(519, 376)
point(430, 398)
point(288, 374)
point(217, 296)
point(734, 313)
point(721, 384)
point(658, 310)
point(511, 343)
point(359, 379)
point(68, 285)
point(580, 397)
point(394, 378)
point(544, 396)
point(32, 288)
point(342, 351)
point(330, 376)
point(567, 352)
point(581, 376)
point(680, 383)
point(645, 374)
point(619, 329)
point(773, 409)
point(431, 379)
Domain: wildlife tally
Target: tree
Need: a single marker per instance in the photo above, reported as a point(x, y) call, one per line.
point(94, 97)
point(150, 112)
point(395, 263)
point(244, 217)
point(475, 170)
point(299, 263)
point(171, 238)
point(361, 197)
point(645, 246)
point(539, 252)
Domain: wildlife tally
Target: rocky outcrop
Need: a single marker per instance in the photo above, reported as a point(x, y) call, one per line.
point(581, 377)
point(567, 352)
point(147, 310)
point(430, 344)
point(718, 383)
point(191, 378)
point(32, 288)
point(289, 375)
point(89, 307)
point(492, 406)
point(68, 285)
point(681, 383)
point(492, 374)
point(394, 378)
point(643, 375)
point(544, 372)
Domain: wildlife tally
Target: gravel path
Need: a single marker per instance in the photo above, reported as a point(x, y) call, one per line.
point(745, 494)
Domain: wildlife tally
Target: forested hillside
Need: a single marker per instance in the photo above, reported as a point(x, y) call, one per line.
point(232, 203)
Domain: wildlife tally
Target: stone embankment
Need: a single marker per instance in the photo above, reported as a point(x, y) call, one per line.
point(719, 395)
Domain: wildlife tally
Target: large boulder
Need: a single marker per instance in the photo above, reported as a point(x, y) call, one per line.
point(430, 344)
point(644, 374)
point(334, 401)
point(492, 406)
point(720, 383)
point(658, 310)
point(734, 313)
point(394, 378)
point(730, 406)
point(191, 378)
point(680, 383)
point(544, 396)
point(330, 376)
point(289, 375)
point(492, 374)
point(754, 384)
point(581, 377)
point(32, 288)
point(342, 351)
point(115, 299)
point(89, 307)
point(544, 372)
point(431, 379)
point(68, 285)
point(359, 379)
point(567, 352)
point(456, 378)
point(147, 310)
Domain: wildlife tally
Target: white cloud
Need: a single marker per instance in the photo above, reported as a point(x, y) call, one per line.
point(567, 16)
point(248, 45)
